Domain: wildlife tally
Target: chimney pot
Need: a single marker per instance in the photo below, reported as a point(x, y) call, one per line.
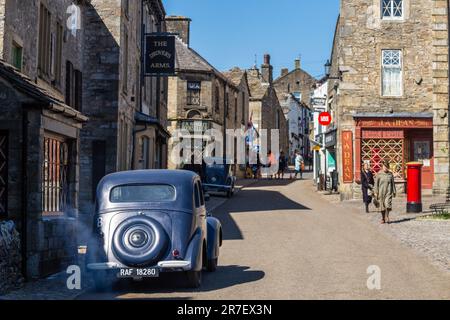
point(267, 70)
point(179, 25)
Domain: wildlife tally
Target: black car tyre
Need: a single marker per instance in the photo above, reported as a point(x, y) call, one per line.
point(194, 279)
point(140, 241)
point(212, 265)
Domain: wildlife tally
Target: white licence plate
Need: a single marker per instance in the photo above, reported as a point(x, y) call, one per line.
point(138, 273)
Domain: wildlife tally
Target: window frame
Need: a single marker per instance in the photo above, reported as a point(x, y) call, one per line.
point(56, 199)
point(17, 55)
point(392, 17)
point(190, 93)
point(401, 74)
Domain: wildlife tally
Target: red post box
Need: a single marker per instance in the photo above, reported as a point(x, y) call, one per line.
point(414, 187)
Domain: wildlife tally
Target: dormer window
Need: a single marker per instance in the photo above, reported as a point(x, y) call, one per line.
point(392, 9)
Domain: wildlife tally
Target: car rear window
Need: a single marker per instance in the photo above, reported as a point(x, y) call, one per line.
point(142, 193)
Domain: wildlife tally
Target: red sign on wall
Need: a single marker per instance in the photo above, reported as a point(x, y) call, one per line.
point(325, 119)
point(347, 156)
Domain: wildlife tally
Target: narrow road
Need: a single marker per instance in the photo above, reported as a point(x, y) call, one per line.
point(284, 241)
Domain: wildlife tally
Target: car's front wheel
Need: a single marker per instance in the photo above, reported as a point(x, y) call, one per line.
point(194, 279)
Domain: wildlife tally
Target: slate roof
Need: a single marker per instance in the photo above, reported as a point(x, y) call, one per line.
point(24, 84)
point(188, 59)
point(257, 88)
point(235, 75)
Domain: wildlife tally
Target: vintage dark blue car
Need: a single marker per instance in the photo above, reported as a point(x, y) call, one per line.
point(149, 222)
point(218, 176)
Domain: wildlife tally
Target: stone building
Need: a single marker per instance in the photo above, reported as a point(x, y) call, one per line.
point(201, 98)
point(265, 109)
point(298, 116)
point(297, 82)
point(40, 123)
point(239, 115)
point(127, 116)
point(300, 84)
point(391, 101)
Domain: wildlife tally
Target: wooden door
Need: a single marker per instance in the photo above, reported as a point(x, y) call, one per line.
point(422, 151)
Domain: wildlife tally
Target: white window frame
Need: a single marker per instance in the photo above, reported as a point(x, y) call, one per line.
point(392, 17)
point(383, 66)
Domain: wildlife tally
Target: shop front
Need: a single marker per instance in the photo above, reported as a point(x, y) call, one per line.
point(397, 139)
point(331, 165)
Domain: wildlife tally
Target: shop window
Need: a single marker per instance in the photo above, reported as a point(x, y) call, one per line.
point(375, 151)
point(55, 184)
point(392, 73)
point(193, 93)
point(392, 9)
point(3, 174)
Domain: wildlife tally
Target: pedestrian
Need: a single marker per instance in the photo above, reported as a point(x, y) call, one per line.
point(282, 165)
point(384, 190)
point(271, 162)
point(299, 164)
point(367, 184)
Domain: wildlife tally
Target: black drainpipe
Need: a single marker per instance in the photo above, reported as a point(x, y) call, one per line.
point(24, 229)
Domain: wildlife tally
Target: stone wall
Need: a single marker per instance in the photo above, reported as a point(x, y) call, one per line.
point(422, 37)
point(101, 59)
point(10, 258)
point(440, 94)
point(296, 81)
point(22, 27)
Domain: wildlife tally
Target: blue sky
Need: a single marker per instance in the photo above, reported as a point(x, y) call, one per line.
point(230, 32)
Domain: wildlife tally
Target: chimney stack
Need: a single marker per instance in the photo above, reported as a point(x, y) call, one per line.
point(284, 71)
point(297, 64)
point(267, 70)
point(179, 25)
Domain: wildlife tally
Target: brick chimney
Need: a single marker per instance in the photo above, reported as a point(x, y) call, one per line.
point(284, 71)
point(179, 25)
point(267, 70)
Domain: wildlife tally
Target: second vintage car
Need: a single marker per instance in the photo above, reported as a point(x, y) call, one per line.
point(150, 222)
point(218, 176)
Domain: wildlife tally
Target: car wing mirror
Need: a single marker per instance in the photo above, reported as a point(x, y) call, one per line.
point(207, 197)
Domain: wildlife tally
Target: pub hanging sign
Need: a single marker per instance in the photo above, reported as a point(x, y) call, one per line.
point(159, 59)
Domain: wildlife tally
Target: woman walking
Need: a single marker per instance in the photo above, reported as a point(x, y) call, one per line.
point(367, 183)
point(385, 191)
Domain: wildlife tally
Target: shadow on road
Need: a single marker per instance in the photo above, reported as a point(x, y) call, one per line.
point(224, 277)
point(252, 201)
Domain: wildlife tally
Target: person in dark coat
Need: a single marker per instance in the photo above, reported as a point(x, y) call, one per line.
point(367, 183)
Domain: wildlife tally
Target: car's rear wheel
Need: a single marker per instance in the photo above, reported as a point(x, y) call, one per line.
point(212, 265)
point(194, 279)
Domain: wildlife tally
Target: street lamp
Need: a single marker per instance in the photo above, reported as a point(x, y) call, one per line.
point(328, 72)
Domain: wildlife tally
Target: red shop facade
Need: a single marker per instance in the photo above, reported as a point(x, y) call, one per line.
point(397, 140)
